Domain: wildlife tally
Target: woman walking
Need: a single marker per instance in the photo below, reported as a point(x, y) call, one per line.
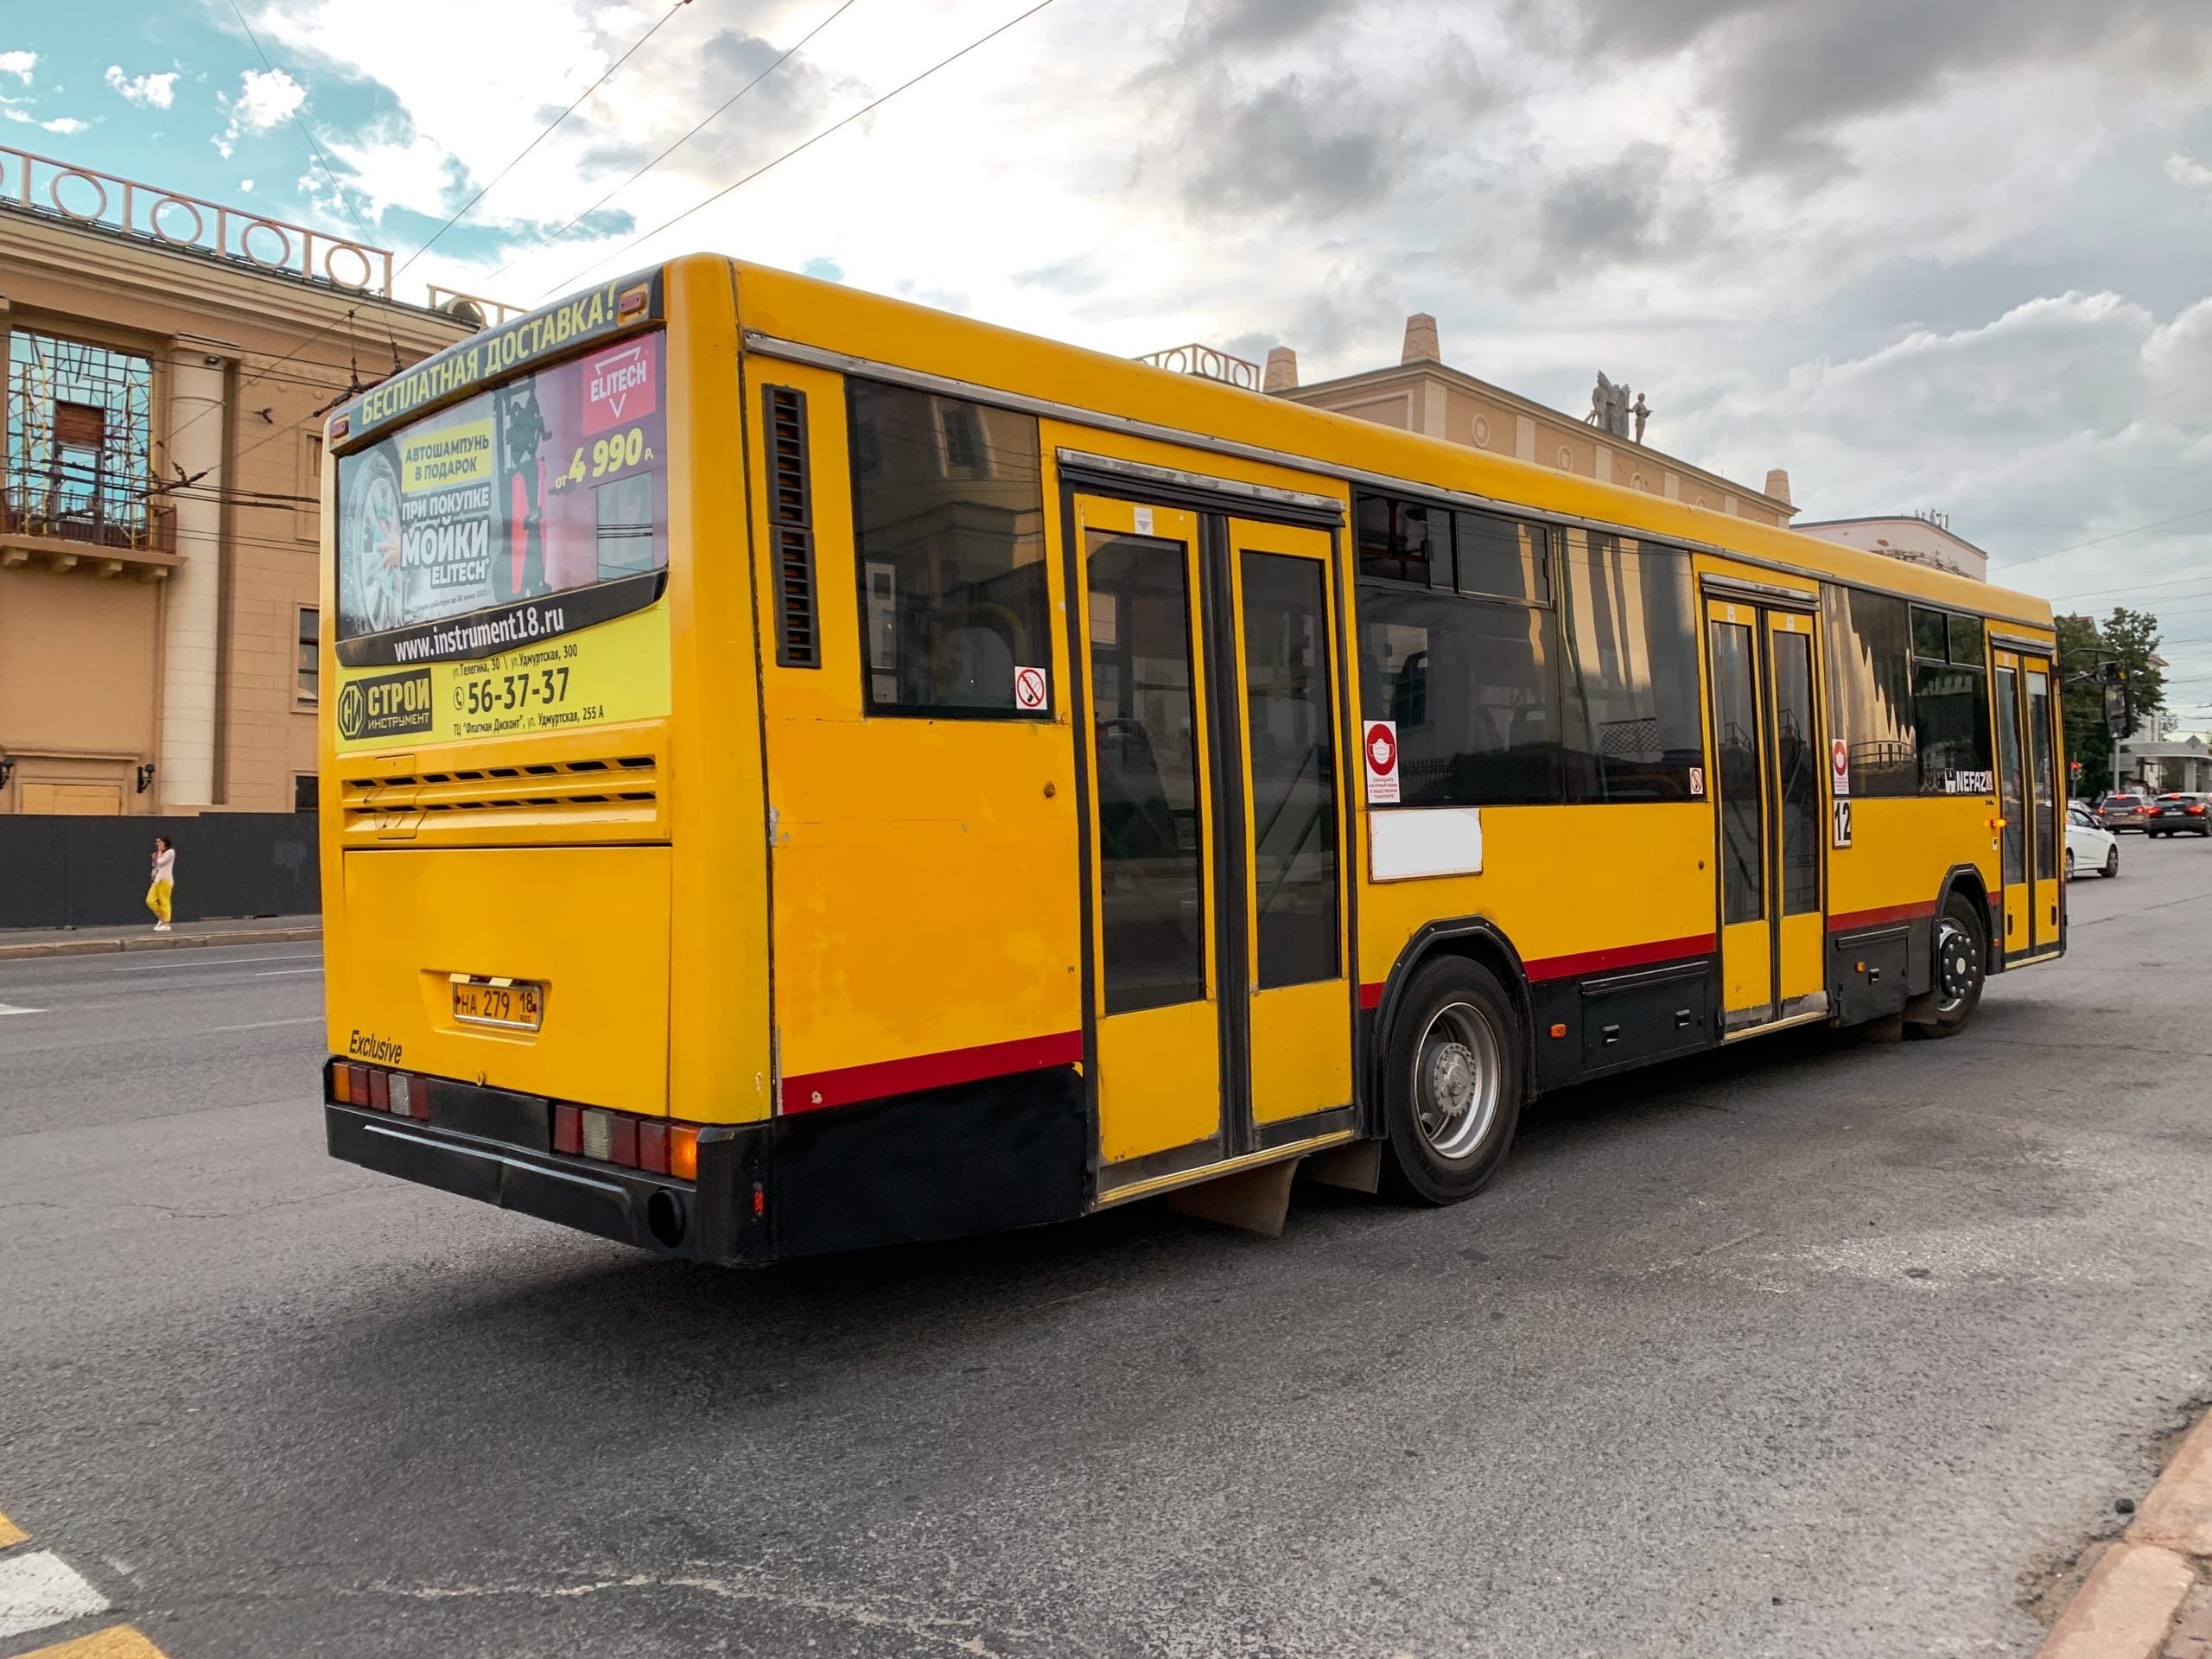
point(157, 895)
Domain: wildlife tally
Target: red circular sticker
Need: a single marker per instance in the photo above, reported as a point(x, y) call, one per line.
point(1382, 751)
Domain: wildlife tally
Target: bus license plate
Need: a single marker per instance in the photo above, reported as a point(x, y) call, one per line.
point(511, 1004)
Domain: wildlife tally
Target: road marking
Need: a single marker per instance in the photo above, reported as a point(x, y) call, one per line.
point(207, 962)
point(266, 1025)
point(41, 1589)
point(7, 1008)
point(10, 1533)
point(121, 1643)
point(284, 973)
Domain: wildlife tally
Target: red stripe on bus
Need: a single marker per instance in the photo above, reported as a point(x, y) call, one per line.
point(1370, 996)
point(1620, 955)
point(1851, 918)
point(814, 1090)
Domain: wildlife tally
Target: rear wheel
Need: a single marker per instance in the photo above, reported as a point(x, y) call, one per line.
point(1961, 968)
point(2112, 862)
point(2069, 863)
point(1452, 1083)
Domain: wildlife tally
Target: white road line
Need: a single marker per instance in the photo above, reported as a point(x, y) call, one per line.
point(41, 1589)
point(266, 1025)
point(7, 1008)
point(284, 973)
point(208, 962)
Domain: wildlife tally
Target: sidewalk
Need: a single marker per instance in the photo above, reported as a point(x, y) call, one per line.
point(2148, 1596)
point(18, 944)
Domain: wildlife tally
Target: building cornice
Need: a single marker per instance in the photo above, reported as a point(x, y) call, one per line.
point(1385, 379)
point(187, 279)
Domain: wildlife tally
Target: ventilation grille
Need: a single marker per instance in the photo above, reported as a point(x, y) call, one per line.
point(632, 782)
point(791, 528)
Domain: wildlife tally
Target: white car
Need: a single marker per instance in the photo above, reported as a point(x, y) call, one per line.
point(2089, 845)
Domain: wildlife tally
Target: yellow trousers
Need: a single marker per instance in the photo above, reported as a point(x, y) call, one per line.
point(157, 899)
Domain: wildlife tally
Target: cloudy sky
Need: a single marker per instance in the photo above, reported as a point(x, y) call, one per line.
point(1953, 254)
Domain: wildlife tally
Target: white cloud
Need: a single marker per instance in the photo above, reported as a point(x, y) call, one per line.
point(2187, 169)
point(18, 64)
point(266, 97)
point(66, 125)
point(150, 90)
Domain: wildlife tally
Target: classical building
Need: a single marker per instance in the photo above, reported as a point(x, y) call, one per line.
point(1424, 394)
point(167, 363)
point(1916, 538)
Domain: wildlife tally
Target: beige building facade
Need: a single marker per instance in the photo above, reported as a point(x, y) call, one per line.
point(1424, 394)
point(168, 364)
point(1916, 538)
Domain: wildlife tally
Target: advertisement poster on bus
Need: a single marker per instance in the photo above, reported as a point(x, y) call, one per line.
point(506, 534)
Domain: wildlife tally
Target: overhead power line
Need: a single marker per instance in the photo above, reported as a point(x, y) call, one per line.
point(605, 75)
point(2099, 541)
point(713, 115)
point(835, 126)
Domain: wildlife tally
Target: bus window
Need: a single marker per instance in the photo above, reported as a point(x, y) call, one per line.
point(1735, 731)
point(1798, 773)
point(949, 520)
point(1294, 803)
point(1950, 704)
point(1870, 689)
point(1150, 848)
point(1632, 729)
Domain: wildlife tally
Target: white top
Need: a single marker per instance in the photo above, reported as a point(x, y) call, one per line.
point(165, 865)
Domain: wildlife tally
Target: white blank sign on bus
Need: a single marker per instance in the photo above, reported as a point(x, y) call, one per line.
point(1425, 840)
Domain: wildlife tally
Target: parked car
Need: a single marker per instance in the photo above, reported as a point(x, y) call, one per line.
point(2174, 813)
point(2089, 845)
point(2121, 811)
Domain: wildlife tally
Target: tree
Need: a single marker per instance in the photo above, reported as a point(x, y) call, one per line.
point(2133, 636)
point(2081, 648)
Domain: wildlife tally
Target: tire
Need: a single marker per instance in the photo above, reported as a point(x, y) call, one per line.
point(1962, 968)
point(2069, 863)
point(2112, 863)
point(1452, 1083)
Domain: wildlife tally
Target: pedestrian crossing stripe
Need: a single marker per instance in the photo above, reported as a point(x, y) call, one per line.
point(41, 1571)
point(10, 1533)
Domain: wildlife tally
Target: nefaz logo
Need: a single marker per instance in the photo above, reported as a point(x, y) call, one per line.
point(391, 705)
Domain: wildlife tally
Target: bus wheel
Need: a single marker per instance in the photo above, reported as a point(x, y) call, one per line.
point(1452, 1089)
point(1961, 955)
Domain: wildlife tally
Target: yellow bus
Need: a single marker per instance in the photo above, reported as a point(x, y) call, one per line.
point(808, 771)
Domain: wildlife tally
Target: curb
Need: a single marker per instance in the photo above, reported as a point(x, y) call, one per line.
point(2126, 1607)
point(39, 948)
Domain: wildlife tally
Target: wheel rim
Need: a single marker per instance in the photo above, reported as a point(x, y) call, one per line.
point(1458, 1079)
point(1958, 967)
point(2112, 862)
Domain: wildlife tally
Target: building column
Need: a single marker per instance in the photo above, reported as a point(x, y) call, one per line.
point(192, 612)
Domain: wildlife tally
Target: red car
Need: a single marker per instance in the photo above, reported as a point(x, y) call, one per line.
point(2173, 813)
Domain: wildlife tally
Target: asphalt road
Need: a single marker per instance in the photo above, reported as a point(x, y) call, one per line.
point(1820, 1347)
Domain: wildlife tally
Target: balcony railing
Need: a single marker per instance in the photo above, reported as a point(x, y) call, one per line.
point(1207, 363)
point(56, 503)
point(84, 196)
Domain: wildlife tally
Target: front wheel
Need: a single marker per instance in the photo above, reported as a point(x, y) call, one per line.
point(2112, 863)
point(1452, 1083)
point(1962, 968)
point(2069, 863)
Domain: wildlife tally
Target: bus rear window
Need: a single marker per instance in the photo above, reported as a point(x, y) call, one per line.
point(554, 482)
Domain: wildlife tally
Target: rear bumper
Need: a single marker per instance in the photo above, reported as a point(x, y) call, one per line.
point(689, 1219)
point(973, 1157)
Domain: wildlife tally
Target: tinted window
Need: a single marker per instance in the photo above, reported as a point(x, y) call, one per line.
point(1502, 558)
point(1472, 685)
point(1293, 757)
point(948, 517)
point(1736, 736)
point(1870, 689)
point(1150, 841)
point(1798, 763)
point(1632, 730)
point(1404, 541)
point(1950, 704)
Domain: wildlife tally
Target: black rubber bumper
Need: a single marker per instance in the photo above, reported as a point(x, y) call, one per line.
point(693, 1219)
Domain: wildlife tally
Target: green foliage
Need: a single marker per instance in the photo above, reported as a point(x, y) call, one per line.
point(2130, 637)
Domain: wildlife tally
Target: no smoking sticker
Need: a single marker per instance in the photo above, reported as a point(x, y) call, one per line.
point(1029, 689)
point(1379, 751)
